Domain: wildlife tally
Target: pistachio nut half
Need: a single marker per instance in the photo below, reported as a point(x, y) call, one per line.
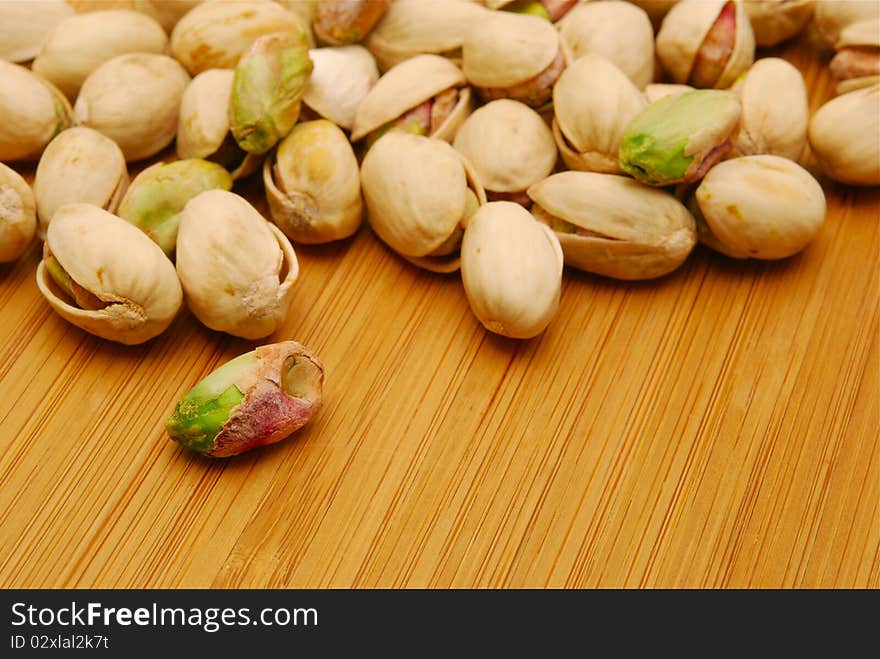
point(24, 26)
point(775, 110)
point(857, 62)
point(340, 80)
point(419, 193)
point(159, 193)
point(83, 42)
point(680, 137)
point(237, 269)
point(134, 99)
point(344, 22)
point(832, 16)
point(18, 217)
point(510, 148)
point(32, 112)
point(166, 12)
point(82, 165)
point(706, 43)
point(843, 137)
point(106, 277)
point(511, 268)
point(775, 21)
point(654, 92)
point(424, 95)
point(763, 207)
point(614, 226)
point(256, 399)
point(618, 31)
point(593, 103)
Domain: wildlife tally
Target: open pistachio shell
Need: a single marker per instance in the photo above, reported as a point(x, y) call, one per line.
point(106, 277)
point(18, 218)
point(833, 16)
point(25, 24)
point(82, 165)
point(775, 21)
point(313, 184)
point(857, 63)
point(344, 22)
point(340, 80)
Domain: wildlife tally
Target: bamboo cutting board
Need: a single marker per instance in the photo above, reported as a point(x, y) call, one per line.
point(718, 427)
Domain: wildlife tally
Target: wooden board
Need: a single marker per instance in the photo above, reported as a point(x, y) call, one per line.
point(718, 427)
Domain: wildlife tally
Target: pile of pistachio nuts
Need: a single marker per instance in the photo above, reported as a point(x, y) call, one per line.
point(504, 138)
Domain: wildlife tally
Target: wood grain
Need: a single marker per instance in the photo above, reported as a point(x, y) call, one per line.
point(716, 428)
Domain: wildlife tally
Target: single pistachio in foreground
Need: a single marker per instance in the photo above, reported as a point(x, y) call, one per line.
point(256, 399)
point(775, 21)
point(18, 219)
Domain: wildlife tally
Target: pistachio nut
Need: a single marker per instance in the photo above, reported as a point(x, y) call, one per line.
point(340, 80)
point(509, 146)
point(775, 21)
point(706, 43)
point(765, 207)
point(18, 218)
point(32, 112)
point(344, 22)
point(166, 12)
point(106, 277)
point(419, 193)
point(775, 110)
point(593, 103)
point(615, 226)
point(214, 35)
point(656, 9)
point(424, 95)
point(843, 137)
point(83, 42)
point(550, 10)
point(511, 268)
point(313, 185)
point(832, 16)
point(680, 137)
point(159, 193)
point(134, 99)
point(24, 25)
point(415, 27)
point(618, 31)
point(517, 56)
point(82, 165)
point(654, 92)
point(267, 90)
point(857, 62)
point(256, 399)
point(236, 268)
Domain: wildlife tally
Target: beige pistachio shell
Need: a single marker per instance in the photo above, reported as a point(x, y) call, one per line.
point(25, 24)
point(857, 63)
point(683, 33)
point(340, 80)
point(833, 16)
point(81, 165)
point(594, 102)
point(655, 92)
point(18, 218)
point(117, 264)
point(775, 111)
point(305, 12)
point(236, 268)
point(313, 184)
point(508, 144)
point(764, 207)
point(618, 31)
point(656, 9)
point(32, 112)
point(775, 21)
point(166, 12)
point(511, 268)
point(615, 226)
point(861, 33)
point(847, 86)
point(83, 42)
point(842, 135)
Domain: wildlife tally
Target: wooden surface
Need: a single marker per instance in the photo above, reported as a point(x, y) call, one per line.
point(718, 427)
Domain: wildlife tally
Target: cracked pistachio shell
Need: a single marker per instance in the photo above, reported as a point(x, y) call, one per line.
point(83, 42)
point(833, 16)
point(134, 99)
point(256, 399)
point(417, 191)
point(763, 207)
point(774, 21)
point(82, 165)
point(32, 112)
point(843, 137)
point(313, 185)
point(618, 31)
point(775, 110)
point(508, 144)
point(18, 218)
point(131, 282)
point(655, 92)
point(615, 226)
point(407, 85)
point(25, 24)
point(340, 80)
point(857, 63)
point(214, 35)
point(345, 22)
point(236, 268)
point(166, 12)
point(511, 268)
point(157, 195)
point(684, 31)
point(415, 27)
point(593, 103)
